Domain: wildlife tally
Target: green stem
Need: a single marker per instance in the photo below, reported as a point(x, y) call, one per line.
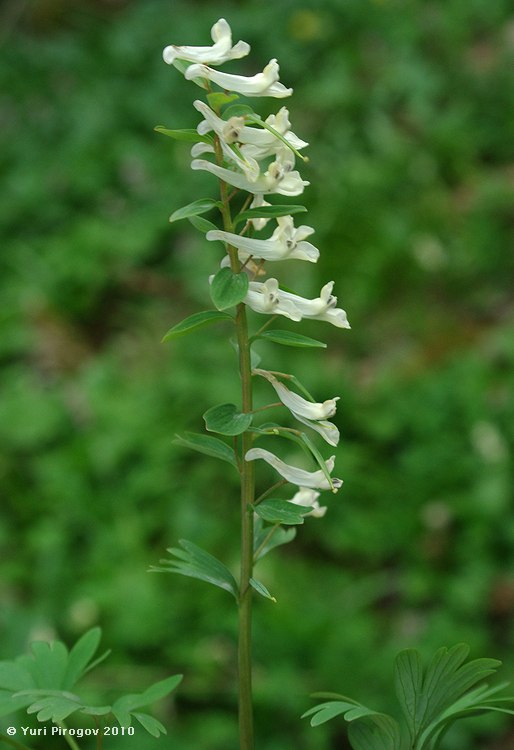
point(71, 742)
point(271, 489)
point(247, 495)
point(14, 743)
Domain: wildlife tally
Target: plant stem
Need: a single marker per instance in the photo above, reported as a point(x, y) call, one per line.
point(247, 495)
point(71, 742)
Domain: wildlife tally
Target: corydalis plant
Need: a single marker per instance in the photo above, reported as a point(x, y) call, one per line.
point(44, 683)
point(431, 700)
point(253, 159)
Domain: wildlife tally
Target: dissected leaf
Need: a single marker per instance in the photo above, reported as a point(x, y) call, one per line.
point(152, 726)
point(80, 656)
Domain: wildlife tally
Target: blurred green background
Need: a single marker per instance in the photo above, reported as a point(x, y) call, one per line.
point(408, 106)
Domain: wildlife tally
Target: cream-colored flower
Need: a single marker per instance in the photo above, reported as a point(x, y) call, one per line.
point(300, 477)
point(258, 202)
point(218, 53)
point(263, 297)
point(319, 308)
point(256, 142)
point(309, 499)
point(279, 177)
point(262, 84)
point(314, 415)
point(286, 242)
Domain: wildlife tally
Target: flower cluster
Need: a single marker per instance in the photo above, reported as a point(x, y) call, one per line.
point(247, 153)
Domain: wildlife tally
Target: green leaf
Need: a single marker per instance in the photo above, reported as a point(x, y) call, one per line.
point(218, 99)
point(195, 208)
point(238, 110)
point(48, 666)
point(197, 320)
point(186, 134)
point(378, 732)
point(127, 703)
point(195, 562)
point(290, 339)
point(79, 657)
point(228, 288)
point(317, 456)
point(54, 708)
point(203, 225)
point(424, 698)
point(208, 445)
point(226, 420)
point(408, 685)
point(268, 212)
point(152, 726)
point(267, 538)
point(15, 676)
point(281, 511)
point(261, 589)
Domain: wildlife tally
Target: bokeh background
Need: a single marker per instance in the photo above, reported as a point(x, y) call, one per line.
point(408, 106)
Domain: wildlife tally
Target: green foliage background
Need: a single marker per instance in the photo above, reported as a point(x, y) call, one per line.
point(408, 108)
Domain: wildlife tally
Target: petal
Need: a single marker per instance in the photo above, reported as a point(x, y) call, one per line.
point(296, 403)
point(261, 84)
point(300, 477)
point(221, 51)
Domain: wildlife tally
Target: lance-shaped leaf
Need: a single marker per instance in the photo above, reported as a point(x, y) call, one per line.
point(218, 99)
point(195, 208)
point(287, 338)
point(266, 538)
point(203, 225)
point(226, 419)
point(228, 288)
point(195, 562)
point(208, 445)
point(281, 511)
point(197, 320)
point(261, 589)
point(186, 134)
point(268, 212)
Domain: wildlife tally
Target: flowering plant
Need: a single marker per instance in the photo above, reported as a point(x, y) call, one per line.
point(253, 159)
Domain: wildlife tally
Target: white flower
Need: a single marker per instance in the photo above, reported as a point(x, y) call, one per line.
point(300, 477)
point(311, 414)
point(264, 298)
point(298, 404)
point(221, 51)
point(278, 178)
point(258, 202)
point(261, 84)
point(309, 499)
point(286, 242)
point(319, 308)
point(257, 143)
